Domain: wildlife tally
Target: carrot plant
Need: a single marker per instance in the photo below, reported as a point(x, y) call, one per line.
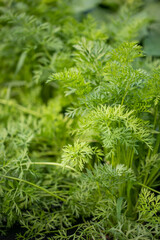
point(79, 104)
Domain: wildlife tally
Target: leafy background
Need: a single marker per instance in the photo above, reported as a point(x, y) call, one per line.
point(55, 153)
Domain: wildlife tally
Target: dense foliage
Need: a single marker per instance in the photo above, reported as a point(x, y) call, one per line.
point(80, 107)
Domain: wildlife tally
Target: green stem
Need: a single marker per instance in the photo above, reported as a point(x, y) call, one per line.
point(19, 107)
point(125, 94)
point(149, 153)
point(34, 185)
point(75, 226)
point(146, 174)
point(153, 177)
point(123, 99)
point(151, 189)
point(131, 159)
point(54, 164)
point(113, 160)
point(155, 117)
point(155, 150)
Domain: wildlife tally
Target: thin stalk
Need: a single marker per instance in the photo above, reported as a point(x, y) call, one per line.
point(149, 153)
point(155, 150)
point(146, 175)
point(69, 228)
point(154, 127)
point(155, 117)
point(118, 154)
point(19, 107)
point(123, 99)
point(125, 94)
point(151, 189)
point(153, 178)
point(113, 160)
point(129, 202)
point(34, 185)
point(54, 164)
point(132, 157)
point(125, 156)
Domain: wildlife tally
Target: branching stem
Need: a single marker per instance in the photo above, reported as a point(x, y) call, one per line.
point(34, 185)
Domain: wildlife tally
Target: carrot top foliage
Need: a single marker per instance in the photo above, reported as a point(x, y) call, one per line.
point(79, 104)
